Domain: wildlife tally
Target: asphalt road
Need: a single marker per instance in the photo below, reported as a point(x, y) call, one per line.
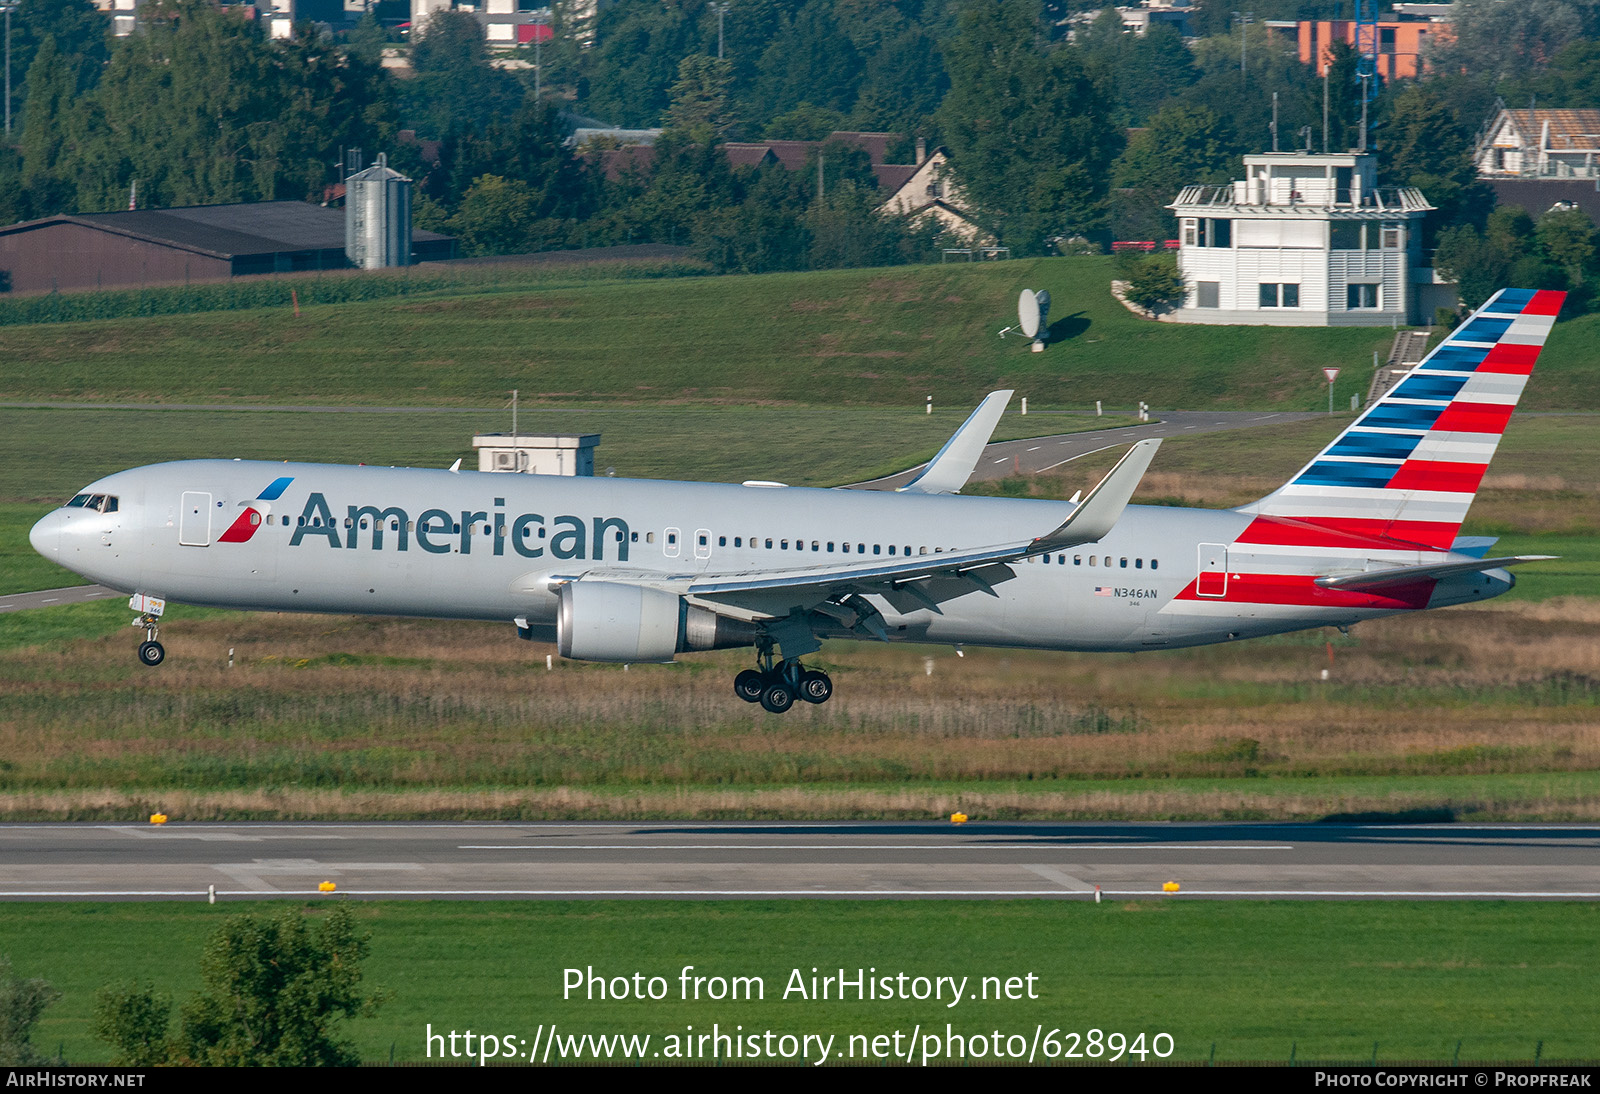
point(50, 598)
point(798, 860)
point(1037, 454)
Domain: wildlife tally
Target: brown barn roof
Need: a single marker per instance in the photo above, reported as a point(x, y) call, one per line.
point(225, 231)
point(1574, 130)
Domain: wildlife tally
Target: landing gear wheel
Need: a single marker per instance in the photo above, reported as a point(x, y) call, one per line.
point(749, 685)
point(777, 698)
point(152, 653)
point(815, 687)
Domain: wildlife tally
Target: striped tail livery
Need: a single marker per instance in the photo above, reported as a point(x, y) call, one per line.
point(1373, 520)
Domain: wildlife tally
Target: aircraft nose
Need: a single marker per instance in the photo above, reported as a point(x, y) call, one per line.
point(46, 535)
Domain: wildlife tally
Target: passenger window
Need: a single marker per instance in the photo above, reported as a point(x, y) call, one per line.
point(704, 540)
point(1152, 564)
point(891, 548)
point(1077, 560)
point(830, 547)
point(784, 544)
point(649, 537)
point(722, 541)
point(633, 537)
point(1091, 560)
point(814, 546)
point(672, 537)
point(769, 545)
point(877, 548)
point(1138, 564)
point(1124, 564)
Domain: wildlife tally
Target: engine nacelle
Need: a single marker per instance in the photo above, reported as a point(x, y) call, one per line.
point(610, 621)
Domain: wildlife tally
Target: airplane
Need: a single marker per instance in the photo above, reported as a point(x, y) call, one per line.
point(618, 570)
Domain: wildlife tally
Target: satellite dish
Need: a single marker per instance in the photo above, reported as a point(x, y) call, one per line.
point(1028, 316)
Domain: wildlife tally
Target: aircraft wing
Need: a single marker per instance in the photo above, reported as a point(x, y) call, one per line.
point(1405, 575)
point(949, 471)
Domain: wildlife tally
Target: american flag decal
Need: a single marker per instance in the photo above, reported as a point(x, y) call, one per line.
point(1102, 590)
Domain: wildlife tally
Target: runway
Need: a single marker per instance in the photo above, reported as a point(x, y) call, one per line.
point(516, 861)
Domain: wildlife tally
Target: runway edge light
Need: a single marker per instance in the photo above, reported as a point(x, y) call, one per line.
point(158, 818)
point(326, 887)
point(1170, 887)
point(958, 818)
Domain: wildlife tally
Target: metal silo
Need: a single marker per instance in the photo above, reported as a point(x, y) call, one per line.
point(377, 217)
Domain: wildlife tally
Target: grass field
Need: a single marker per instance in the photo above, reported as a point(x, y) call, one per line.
point(804, 446)
point(1240, 980)
point(854, 337)
point(1491, 712)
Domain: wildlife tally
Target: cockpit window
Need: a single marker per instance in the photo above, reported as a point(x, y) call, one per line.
point(78, 502)
point(100, 503)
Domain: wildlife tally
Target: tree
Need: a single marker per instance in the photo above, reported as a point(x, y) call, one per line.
point(806, 122)
point(132, 1019)
point(1153, 280)
point(809, 60)
point(275, 988)
point(368, 39)
point(1567, 238)
point(1495, 40)
point(1185, 145)
point(699, 107)
point(21, 1004)
point(1424, 144)
point(1030, 132)
point(79, 32)
point(456, 90)
point(496, 216)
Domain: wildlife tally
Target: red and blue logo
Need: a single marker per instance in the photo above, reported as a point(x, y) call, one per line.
point(251, 518)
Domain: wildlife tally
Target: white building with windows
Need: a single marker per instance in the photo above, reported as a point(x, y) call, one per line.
point(1304, 240)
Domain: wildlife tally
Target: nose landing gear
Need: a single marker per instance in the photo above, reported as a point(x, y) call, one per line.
point(151, 652)
point(777, 686)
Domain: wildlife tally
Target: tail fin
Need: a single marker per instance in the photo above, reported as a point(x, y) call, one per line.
point(1408, 469)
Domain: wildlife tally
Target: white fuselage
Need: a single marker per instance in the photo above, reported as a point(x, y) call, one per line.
point(469, 545)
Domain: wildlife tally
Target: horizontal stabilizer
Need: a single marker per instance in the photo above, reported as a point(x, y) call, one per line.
point(949, 471)
point(1476, 546)
point(1406, 575)
point(1098, 513)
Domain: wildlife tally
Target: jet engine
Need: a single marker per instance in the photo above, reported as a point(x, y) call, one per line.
point(610, 621)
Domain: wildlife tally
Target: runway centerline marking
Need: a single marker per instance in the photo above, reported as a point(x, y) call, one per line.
point(871, 847)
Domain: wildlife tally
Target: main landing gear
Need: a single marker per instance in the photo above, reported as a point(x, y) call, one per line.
point(777, 686)
point(151, 652)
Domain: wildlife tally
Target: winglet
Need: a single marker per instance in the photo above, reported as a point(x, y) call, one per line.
point(948, 472)
point(1099, 512)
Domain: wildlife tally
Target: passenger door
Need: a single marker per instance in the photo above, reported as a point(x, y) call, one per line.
point(194, 519)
